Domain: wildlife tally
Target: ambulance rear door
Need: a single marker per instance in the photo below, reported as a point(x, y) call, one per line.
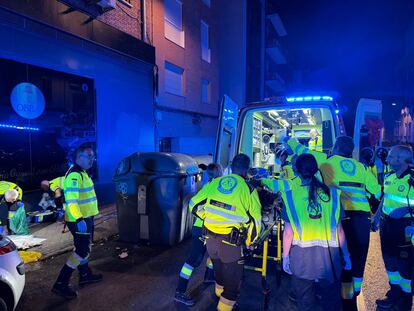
point(227, 132)
point(368, 127)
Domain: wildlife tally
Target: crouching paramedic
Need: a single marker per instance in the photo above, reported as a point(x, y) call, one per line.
point(12, 212)
point(231, 212)
point(55, 190)
point(10, 193)
point(82, 205)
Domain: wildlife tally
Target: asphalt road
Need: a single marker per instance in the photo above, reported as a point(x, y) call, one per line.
point(147, 278)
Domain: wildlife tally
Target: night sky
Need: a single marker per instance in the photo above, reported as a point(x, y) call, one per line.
point(351, 48)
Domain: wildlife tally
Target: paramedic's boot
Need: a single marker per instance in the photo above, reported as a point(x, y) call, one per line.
point(64, 290)
point(86, 276)
point(405, 302)
point(61, 286)
point(209, 276)
point(391, 298)
point(184, 299)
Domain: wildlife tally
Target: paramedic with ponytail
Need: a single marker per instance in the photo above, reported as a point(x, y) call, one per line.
point(314, 244)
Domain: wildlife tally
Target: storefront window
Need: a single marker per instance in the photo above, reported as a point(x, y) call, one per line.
point(44, 116)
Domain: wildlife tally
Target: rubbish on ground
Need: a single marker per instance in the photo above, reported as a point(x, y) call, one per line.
point(44, 216)
point(25, 241)
point(29, 256)
point(17, 221)
point(123, 255)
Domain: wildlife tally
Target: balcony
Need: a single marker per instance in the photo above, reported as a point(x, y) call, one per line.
point(277, 24)
point(275, 82)
point(276, 55)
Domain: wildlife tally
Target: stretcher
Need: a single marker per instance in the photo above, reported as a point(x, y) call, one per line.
point(270, 237)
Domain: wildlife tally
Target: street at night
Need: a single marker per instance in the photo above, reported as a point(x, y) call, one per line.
point(206, 155)
point(147, 278)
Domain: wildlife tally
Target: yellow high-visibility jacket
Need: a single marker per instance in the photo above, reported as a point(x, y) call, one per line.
point(228, 202)
point(81, 201)
point(398, 195)
point(7, 185)
point(356, 182)
point(315, 144)
point(57, 183)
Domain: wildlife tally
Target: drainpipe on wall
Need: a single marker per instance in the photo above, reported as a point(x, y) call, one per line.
point(143, 24)
point(157, 114)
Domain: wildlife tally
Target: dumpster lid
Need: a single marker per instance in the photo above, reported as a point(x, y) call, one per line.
point(203, 160)
point(161, 162)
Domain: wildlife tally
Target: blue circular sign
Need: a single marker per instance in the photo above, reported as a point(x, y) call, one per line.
point(27, 100)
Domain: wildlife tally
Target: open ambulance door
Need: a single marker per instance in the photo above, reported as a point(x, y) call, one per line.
point(226, 134)
point(369, 127)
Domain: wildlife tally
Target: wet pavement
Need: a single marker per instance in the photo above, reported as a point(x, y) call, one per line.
point(147, 277)
point(145, 280)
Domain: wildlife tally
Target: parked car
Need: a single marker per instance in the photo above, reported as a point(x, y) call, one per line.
point(12, 275)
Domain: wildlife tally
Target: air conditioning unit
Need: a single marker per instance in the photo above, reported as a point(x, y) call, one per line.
point(107, 4)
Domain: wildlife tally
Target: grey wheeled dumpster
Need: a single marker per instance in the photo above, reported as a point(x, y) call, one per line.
point(152, 194)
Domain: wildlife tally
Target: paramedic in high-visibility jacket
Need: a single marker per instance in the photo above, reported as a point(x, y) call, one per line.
point(397, 229)
point(81, 207)
point(55, 190)
point(231, 211)
point(315, 142)
point(314, 244)
point(198, 249)
point(357, 185)
point(10, 195)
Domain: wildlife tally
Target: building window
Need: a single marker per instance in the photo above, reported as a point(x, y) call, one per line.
point(205, 42)
point(174, 79)
point(173, 21)
point(205, 92)
point(207, 2)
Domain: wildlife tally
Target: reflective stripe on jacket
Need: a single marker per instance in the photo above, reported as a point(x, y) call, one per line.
point(352, 177)
point(81, 201)
point(315, 144)
point(317, 231)
point(228, 202)
point(398, 196)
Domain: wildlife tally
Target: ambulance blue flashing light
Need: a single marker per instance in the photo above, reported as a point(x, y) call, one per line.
point(16, 127)
point(337, 111)
point(309, 98)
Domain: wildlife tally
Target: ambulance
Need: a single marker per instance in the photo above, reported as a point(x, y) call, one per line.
point(258, 128)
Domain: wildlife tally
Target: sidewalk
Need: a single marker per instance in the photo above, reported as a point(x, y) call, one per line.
point(58, 243)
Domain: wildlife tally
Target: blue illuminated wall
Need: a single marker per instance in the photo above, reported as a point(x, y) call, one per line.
point(189, 133)
point(124, 88)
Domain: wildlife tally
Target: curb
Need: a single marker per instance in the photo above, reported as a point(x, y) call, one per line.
point(68, 249)
point(104, 215)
